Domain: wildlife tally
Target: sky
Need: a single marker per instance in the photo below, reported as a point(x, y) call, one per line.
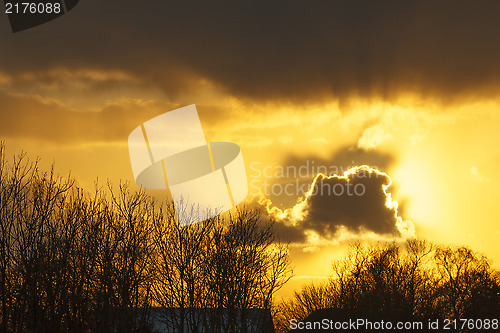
point(407, 89)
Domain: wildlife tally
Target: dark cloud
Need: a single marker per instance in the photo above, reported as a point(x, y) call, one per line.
point(308, 167)
point(45, 119)
point(357, 203)
point(36, 118)
point(284, 231)
point(289, 233)
point(265, 50)
point(345, 158)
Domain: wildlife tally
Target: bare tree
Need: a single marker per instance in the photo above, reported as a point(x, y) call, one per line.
point(465, 284)
point(418, 280)
point(74, 261)
point(180, 266)
point(71, 262)
point(228, 265)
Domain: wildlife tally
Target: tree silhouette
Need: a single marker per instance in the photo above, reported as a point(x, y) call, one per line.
point(417, 280)
point(228, 264)
point(78, 261)
point(74, 261)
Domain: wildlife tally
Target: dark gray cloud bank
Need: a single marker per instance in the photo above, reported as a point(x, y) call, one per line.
point(301, 51)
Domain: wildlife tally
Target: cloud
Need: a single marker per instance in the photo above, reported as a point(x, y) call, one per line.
point(285, 183)
point(260, 50)
point(373, 136)
point(341, 160)
point(39, 118)
point(356, 202)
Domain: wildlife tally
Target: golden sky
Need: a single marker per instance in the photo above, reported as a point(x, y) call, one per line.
point(409, 88)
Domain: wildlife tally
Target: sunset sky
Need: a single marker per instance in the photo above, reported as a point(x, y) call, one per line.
point(409, 88)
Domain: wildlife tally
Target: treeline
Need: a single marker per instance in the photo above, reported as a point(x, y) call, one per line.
point(417, 280)
point(71, 261)
point(77, 262)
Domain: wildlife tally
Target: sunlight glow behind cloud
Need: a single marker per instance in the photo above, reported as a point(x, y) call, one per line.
point(296, 216)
